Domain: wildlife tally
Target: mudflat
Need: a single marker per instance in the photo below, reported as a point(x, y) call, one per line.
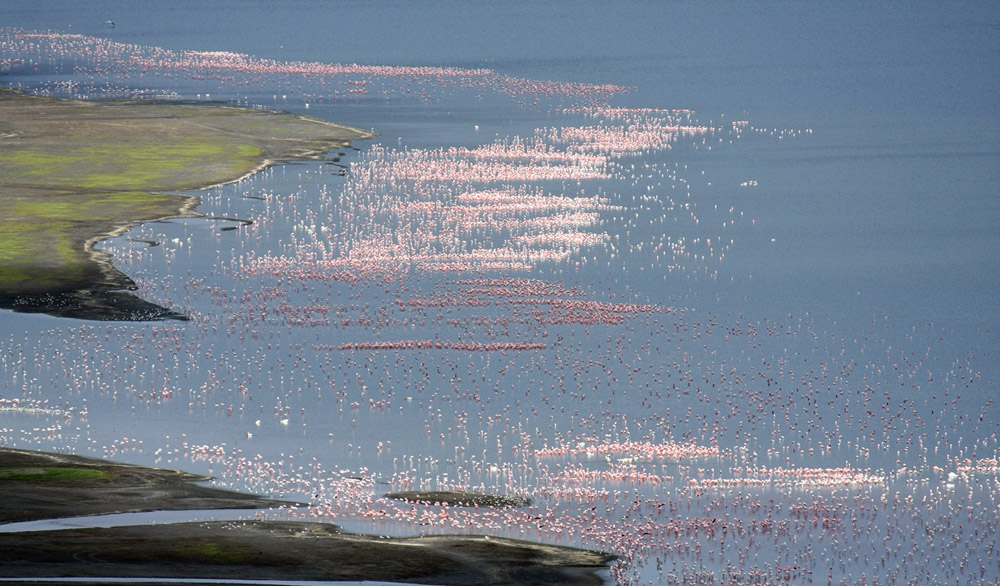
point(36, 486)
point(78, 172)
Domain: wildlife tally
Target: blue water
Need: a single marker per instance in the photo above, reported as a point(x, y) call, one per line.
point(864, 226)
point(891, 196)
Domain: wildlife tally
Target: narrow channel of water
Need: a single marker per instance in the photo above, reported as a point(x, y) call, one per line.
point(144, 518)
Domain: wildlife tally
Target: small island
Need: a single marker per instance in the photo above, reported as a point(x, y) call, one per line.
point(35, 485)
point(78, 172)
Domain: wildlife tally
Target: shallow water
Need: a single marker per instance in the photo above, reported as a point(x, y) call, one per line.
point(773, 353)
point(134, 519)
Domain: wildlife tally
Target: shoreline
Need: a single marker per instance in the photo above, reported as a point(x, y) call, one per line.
point(55, 486)
point(98, 487)
point(80, 172)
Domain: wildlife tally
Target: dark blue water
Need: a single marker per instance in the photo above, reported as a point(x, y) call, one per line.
point(852, 321)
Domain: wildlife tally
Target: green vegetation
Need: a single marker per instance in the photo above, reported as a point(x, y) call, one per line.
point(104, 163)
point(59, 261)
point(76, 172)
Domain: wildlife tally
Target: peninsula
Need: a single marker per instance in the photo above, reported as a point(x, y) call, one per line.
point(78, 172)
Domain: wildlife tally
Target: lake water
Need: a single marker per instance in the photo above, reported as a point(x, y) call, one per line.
point(713, 284)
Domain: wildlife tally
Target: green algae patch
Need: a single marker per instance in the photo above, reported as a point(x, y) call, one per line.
point(76, 172)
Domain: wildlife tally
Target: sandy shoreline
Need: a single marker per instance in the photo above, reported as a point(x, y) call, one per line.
point(37, 485)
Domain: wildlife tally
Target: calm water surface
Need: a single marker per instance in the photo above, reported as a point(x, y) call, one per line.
point(787, 366)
